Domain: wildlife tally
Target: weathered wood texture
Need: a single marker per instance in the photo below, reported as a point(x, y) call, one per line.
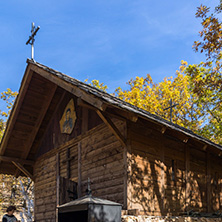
point(198, 176)
point(141, 165)
point(53, 138)
point(184, 170)
point(96, 154)
point(29, 115)
point(45, 188)
point(102, 162)
point(67, 190)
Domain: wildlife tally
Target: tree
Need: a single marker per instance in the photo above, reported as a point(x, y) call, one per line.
point(97, 84)
point(211, 34)
point(155, 98)
point(206, 77)
point(14, 191)
point(206, 85)
point(18, 192)
point(8, 97)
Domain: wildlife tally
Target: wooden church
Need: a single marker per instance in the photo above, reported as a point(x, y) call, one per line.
point(62, 132)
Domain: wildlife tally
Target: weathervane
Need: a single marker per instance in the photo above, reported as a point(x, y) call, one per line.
point(31, 39)
point(171, 109)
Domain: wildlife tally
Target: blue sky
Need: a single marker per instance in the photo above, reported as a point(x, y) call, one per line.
point(109, 40)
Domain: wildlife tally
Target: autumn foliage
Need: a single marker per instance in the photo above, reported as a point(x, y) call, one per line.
point(155, 98)
point(196, 91)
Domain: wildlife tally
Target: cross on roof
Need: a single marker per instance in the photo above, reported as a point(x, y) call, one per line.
point(171, 108)
point(31, 39)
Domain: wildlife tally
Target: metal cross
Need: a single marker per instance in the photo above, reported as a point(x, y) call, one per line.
point(31, 39)
point(171, 108)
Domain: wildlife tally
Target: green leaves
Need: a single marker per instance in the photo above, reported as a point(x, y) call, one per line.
point(205, 82)
point(155, 97)
point(197, 89)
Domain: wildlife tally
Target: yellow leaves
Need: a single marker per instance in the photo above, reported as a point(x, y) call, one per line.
point(211, 33)
point(205, 83)
point(182, 66)
point(97, 84)
point(11, 191)
point(154, 98)
point(8, 97)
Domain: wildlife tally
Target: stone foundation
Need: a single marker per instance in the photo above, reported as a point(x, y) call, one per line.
point(126, 218)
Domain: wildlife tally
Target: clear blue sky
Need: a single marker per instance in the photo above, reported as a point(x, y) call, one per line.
point(109, 40)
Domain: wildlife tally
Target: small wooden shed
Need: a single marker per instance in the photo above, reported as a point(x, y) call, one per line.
point(62, 131)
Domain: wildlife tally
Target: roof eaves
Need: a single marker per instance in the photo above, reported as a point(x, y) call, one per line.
point(124, 105)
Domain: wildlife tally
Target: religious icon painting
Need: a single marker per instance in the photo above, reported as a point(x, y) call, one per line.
point(68, 119)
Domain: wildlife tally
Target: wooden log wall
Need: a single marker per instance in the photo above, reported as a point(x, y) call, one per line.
point(97, 155)
point(45, 188)
point(215, 186)
point(198, 180)
point(102, 162)
point(171, 176)
point(146, 176)
point(53, 138)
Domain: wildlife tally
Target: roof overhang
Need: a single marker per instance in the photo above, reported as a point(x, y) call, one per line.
point(42, 88)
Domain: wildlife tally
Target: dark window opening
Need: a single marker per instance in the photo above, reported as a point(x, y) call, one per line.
point(78, 216)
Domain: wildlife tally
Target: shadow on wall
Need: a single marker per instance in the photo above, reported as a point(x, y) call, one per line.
point(161, 189)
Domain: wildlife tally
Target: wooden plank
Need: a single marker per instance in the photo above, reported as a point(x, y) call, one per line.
point(57, 178)
point(45, 107)
point(101, 162)
point(112, 127)
point(38, 123)
point(109, 169)
point(79, 169)
point(122, 114)
point(84, 104)
point(127, 184)
point(92, 100)
point(187, 176)
point(21, 168)
point(162, 180)
point(22, 161)
point(50, 121)
point(85, 119)
point(68, 163)
point(208, 177)
point(15, 111)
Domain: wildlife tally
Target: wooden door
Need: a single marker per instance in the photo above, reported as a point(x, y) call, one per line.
point(67, 190)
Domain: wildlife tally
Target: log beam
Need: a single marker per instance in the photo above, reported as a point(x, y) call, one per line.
point(79, 169)
point(15, 111)
point(75, 90)
point(163, 129)
point(22, 161)
point(112, 127)
point(39, 120)
point(50, 121)
point(57, 178)
point(22, 168)
point(187, 177)
point(208, 179)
